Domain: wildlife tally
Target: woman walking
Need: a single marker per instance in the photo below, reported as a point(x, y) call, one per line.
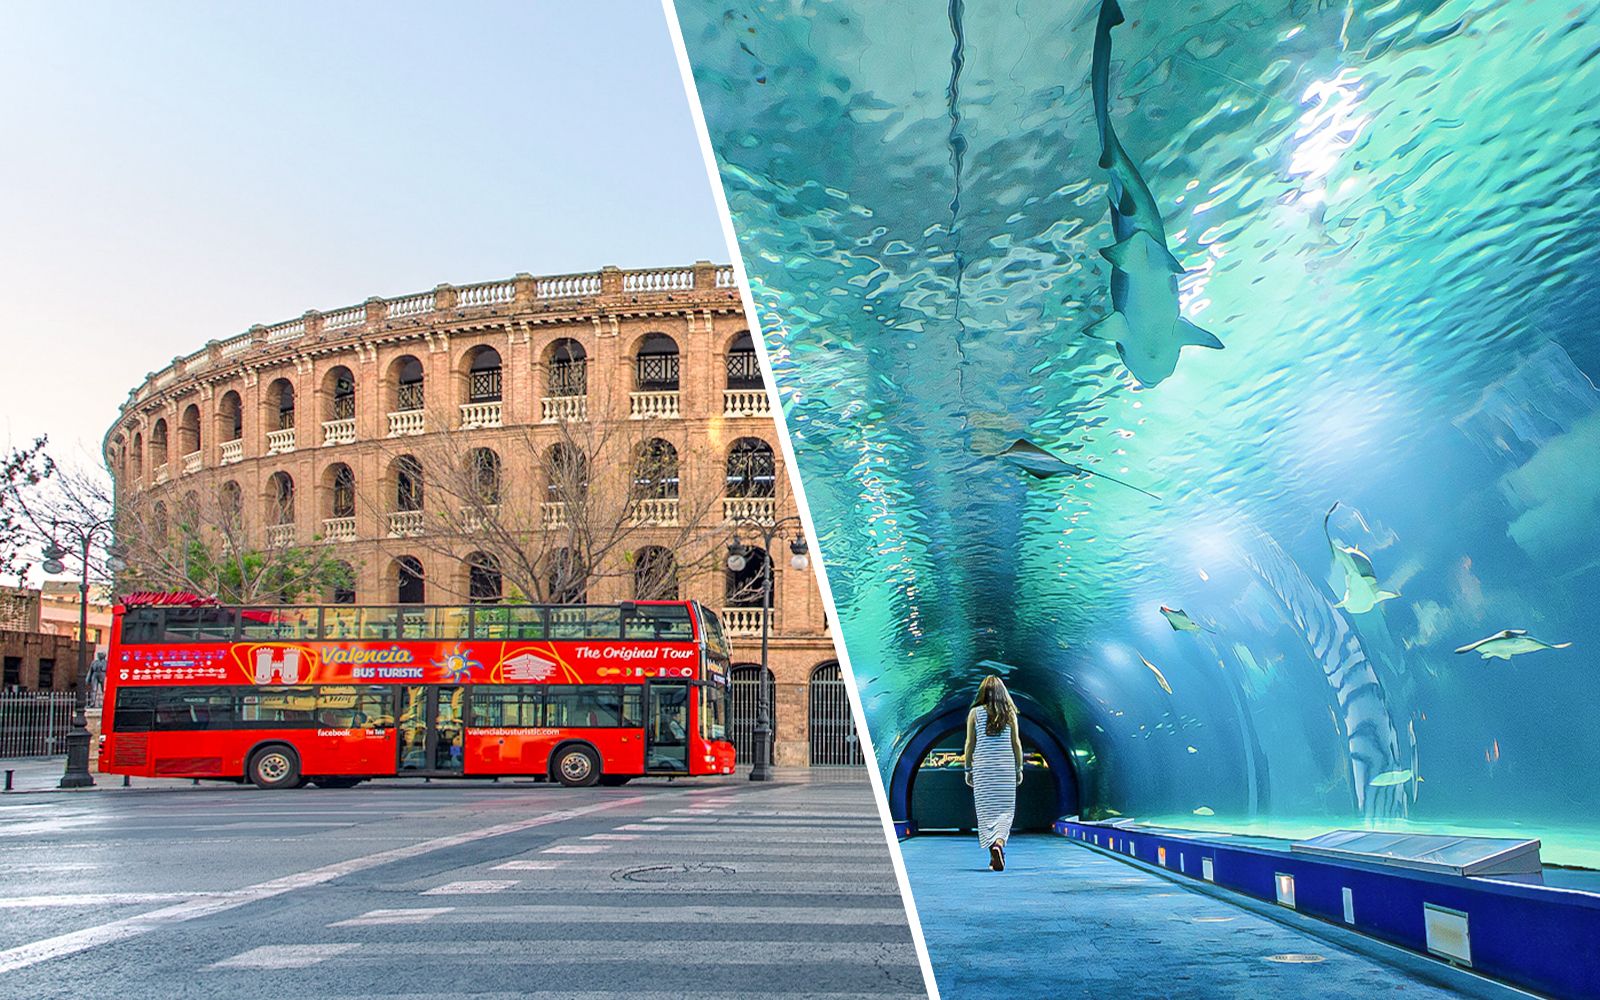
point(994, 765)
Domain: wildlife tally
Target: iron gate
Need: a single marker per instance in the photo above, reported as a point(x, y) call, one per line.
point(34, 723)
point(742, 711)
point(832, 726)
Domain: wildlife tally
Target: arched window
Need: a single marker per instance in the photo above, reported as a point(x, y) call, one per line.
point(409, 587)
point(340, 386)
point(566, 474)
point(341, 491)
point(159, 524)
point(752, 470)
point(158, 444)
point(742, 588)
point(280, 499)
point(568, 577)
point(483, 375)
point(655, 471)
point(189, 513)
point(830, 723)
point(655, 574)
point(484, 584)
point(280, 404)
point(230, 504)
point(189, 430)
point(138, 456)
point(656, 367)
point(569, 368)
point(230, 417)
point(407, 374)
point(343, 590)
point(744, 368)
point(483, 476)
point(407, 483)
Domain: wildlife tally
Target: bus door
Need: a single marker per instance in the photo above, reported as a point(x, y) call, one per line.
point(431, 730)
point(666, 728)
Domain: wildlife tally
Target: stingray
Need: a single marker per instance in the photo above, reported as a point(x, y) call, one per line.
point(1510, 642)
point(1144, 323)
point(1181, 622)
point(1041, 464)
point(1361, 590)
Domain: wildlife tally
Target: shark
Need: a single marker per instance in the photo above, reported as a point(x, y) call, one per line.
point(1362, 592)
point(1144, 323)
point(1181, 622)
point(1505, 644)
point(1041, 464)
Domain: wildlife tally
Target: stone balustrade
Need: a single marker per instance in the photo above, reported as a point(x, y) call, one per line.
point(162, 473)
point(725, 277)
point(657, 511)
point(553, 514)
point(193, 462)
point(479, 518)
point(749, 510)
point(405, 523)
point(556, 409)
point(339, 529)
point(342, 318)
point(482, 414)
point(489, 293)
point(663, 280)
point(405, 422)
point(409, 305)
point(339, 431)
point(746, 403)
point(742, 623)
point(230, 452)
point(280, 442)
point(653, 405)
point(280, 536)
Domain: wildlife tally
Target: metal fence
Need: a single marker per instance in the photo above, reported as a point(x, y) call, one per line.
point(742, 715)
point(834, 742)
point(34, 723)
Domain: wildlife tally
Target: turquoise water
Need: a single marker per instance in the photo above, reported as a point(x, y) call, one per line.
point(1385, 212)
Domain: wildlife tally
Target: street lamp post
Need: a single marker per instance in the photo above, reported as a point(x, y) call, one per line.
point(77, 771)
point(738, 558)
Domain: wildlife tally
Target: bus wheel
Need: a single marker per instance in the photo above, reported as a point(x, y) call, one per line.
point(577, 767)
point(613, 780)
point(275, 767)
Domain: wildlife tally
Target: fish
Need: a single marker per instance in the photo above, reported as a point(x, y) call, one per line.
point(1160, 677)
point(1388, 778)
point(1505, 644)
point(1041, 464)
point(1362, 591)
point(1144, 323)
point(1205, 811)
point(1181, 622)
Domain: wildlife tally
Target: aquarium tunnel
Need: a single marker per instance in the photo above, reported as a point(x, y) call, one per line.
point(1223, 377)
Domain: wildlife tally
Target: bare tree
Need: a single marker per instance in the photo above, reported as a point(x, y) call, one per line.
point(22, 470)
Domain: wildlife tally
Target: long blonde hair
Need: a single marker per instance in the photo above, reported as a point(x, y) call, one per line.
point(997, 704)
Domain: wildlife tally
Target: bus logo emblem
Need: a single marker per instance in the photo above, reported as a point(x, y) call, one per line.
point(277, 666)
point(527, 667)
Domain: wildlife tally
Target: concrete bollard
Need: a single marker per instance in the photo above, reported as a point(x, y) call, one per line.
point(9, 774)
point(126, 781)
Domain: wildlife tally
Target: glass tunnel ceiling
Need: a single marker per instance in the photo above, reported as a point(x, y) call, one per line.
point(1386, 213)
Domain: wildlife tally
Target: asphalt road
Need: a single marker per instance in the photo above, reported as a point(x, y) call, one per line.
point(452, 889)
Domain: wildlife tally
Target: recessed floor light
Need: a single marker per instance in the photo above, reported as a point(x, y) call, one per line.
point(1296, 958)
point(1212, 920)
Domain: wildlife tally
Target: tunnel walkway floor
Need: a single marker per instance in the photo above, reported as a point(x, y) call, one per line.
point(1065, 921)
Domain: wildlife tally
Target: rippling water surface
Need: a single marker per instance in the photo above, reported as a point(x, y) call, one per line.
point(1386, 211)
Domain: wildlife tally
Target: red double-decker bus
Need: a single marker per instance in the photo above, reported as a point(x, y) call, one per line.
point(336, 694)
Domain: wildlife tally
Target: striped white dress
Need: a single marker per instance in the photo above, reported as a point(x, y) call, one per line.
point(994, 780)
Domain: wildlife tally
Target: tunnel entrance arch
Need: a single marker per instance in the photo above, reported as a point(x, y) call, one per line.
point(1049, 789)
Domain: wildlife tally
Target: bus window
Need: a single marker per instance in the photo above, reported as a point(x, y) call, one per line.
point(713, 713)
point(594, 705)
point(508, 706)
point(133, 711)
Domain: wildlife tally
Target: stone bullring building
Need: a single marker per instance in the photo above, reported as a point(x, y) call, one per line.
point(580, 438)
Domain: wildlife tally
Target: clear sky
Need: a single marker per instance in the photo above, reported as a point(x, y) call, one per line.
point(173, 172)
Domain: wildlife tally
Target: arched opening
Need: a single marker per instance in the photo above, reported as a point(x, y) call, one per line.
point(407, 474)
point(340, 386)
point(483, 375)
point(752, 469)
point(743, 692)
point(830, 725)
point(137, 464)
point(568, 577)
point(189, 431)
point(483, 477)
point(408, 581)
point(744, 367)
point(341, 484)
point(280, 405)
point(158, 446)
point(484, 583)
point(160, 525)
point(566, 472)
point(280, 499)
point(230, 417)
point(743, 587)
point(343, 588)
point(230, 507)
point(569, 369)
point(655, 574)
point(655, 471)
point(406, 374)
point(189, 513)
point(656, 365)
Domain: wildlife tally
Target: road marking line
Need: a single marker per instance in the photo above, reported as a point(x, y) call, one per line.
point(100, 899)
point(416, 915)
point(472, 886)
point(528, 866)
point(612, 836)
point(284, 956)
point(643, 826)
point(702, 915)
point(575, 849)
point(73, 942)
